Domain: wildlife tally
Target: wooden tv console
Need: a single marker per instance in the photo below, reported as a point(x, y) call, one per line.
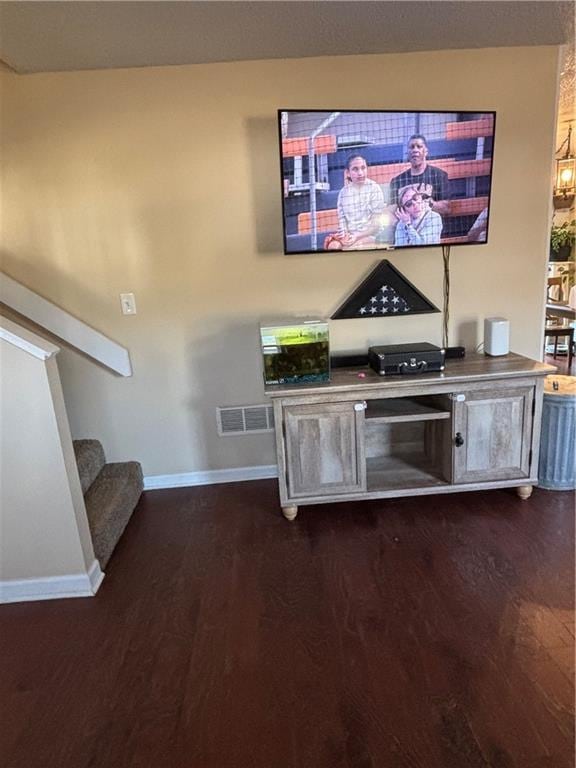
point(474, 426)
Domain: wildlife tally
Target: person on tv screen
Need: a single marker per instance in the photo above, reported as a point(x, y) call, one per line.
point(477, 232)
point(417, 223)
point(421, 172)
point(360, 203)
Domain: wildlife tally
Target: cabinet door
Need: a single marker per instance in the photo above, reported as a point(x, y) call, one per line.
point(492, 434)
point(325, 449)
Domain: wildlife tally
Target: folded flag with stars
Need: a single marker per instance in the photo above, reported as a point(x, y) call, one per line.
point(385, 302)
point(385, 292)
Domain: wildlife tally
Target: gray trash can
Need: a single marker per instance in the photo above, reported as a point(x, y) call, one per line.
point(557, 467)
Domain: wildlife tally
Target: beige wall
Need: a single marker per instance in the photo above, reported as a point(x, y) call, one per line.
point(43, 526)
point(165, 182)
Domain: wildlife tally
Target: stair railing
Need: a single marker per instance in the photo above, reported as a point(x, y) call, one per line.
point(65, 326)
point(46, 548)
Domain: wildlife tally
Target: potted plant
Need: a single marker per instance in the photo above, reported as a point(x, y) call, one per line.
point(562, 241)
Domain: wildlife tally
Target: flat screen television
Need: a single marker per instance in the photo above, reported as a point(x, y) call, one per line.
point(378, 180)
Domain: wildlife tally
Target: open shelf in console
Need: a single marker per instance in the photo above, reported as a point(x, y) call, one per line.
point(408, 443)
point(412, 470)
point(398, 409)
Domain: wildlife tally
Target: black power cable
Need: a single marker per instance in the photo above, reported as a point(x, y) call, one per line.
point(446, 307)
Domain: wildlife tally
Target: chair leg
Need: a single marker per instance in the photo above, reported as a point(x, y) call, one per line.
point(570, 350)
point(555, 347)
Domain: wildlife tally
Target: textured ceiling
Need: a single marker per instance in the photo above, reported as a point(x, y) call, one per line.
point(566, 98)
point(52, 36)
point(76, 35)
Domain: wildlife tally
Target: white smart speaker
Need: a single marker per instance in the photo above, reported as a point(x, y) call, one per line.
point(496, 336)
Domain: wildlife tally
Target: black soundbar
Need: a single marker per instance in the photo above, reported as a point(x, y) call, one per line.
point(349, 361)
point(455, 352)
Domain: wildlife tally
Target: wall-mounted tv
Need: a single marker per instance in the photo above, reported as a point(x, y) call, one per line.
point(374, 180)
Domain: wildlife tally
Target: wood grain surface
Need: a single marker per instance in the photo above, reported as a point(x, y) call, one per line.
point(430, 632)
point(458, 373)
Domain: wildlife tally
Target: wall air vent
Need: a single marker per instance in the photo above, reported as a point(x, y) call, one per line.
point(244, 419)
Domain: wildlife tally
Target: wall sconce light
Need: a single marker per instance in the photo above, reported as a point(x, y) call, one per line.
point(565, 185)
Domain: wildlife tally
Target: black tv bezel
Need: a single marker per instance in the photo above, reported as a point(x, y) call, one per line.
point(386, 248)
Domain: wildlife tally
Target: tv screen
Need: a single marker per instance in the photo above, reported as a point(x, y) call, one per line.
point(373, 180)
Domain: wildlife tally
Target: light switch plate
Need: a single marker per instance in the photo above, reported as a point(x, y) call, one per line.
point(128, 303)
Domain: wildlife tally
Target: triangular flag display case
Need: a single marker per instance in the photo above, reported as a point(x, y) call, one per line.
point(384, 293)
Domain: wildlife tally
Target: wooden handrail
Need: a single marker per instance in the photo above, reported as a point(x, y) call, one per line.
point(64, 325)
point(26, 340)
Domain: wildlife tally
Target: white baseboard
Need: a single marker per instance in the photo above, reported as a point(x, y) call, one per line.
point(210, 477)
point(52, 587)
point(96, 576)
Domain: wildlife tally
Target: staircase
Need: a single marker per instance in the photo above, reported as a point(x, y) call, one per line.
point(111, 492)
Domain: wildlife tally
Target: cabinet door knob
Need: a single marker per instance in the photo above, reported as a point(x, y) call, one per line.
point(458, 440)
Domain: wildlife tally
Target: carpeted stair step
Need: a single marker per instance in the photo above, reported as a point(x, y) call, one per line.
point(110, 502)
point(90, 460)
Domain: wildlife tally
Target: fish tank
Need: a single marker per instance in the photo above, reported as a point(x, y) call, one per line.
point(295, 350)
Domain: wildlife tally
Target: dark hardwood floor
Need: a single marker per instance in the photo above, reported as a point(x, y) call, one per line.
point(433, 632)
point(561, 362)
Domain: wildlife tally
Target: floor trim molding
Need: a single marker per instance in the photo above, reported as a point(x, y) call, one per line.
point(96, 576)
point(52, 587)
point(210, 477)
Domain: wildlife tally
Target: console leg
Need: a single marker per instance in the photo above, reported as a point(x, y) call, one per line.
point(290, 512)
point(524, 491)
